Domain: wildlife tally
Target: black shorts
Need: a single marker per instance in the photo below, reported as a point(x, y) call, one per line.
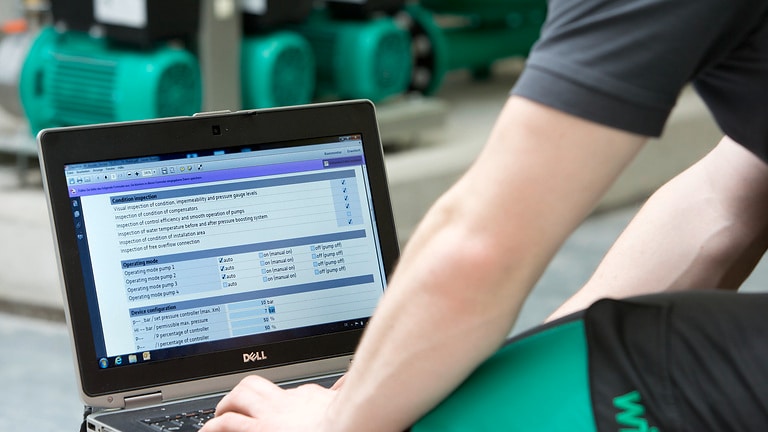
point(682, 362)
point(693, 361)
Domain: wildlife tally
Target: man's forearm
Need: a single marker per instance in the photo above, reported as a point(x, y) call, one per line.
point(471, 263)
point(705, 229)
point(428, 335)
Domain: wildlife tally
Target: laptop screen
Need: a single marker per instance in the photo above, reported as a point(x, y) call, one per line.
point(197, 252)
point(194, 251)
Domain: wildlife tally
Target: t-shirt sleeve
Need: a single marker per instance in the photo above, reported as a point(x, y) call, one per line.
point(623, 63)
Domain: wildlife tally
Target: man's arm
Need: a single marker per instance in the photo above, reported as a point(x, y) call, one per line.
point(707, 228)
point(463, 276)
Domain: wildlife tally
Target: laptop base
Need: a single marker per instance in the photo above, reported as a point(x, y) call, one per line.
point(181, 416)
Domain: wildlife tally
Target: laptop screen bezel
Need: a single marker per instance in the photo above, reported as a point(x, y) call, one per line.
point(66, 146)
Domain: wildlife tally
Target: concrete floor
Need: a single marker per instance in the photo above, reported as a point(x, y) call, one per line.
point(35, 359)
point(37, 372)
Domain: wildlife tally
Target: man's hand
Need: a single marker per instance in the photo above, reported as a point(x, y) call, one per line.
point(257, 405)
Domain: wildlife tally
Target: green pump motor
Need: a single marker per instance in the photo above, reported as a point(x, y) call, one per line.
point(71, 78)
point(368, 59)
point(277, 66)
point(277, 69)
point(469, 34)
point(486, 10)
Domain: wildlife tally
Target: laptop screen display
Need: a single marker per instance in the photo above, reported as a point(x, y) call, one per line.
point(190, 253)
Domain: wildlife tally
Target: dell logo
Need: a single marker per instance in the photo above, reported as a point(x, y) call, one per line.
point(252, 357)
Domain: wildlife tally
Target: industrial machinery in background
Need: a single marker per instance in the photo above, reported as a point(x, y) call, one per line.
point(71, 78)
point(92, 61)
point(105, 61)
point(294, 53)
point(469, 34)
point(277, 65)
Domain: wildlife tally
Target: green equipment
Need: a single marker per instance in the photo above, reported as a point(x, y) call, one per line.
point(277, 69)
point(71, 78)
point(469, 34)
point(368, 59)
point(488, 11)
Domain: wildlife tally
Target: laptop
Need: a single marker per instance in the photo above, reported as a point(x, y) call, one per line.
point(194, 251)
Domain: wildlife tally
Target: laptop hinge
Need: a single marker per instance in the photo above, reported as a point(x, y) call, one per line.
point(143, 400)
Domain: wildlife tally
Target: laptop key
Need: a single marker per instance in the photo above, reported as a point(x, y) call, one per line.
point(182, 422)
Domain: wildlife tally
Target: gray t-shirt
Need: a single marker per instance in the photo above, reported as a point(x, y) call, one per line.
point(623, 63)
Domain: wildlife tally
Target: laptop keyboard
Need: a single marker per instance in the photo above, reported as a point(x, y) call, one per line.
point(182, 422)
point(192, 421)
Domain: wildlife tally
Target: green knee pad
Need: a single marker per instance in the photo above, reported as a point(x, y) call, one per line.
point(537, 383)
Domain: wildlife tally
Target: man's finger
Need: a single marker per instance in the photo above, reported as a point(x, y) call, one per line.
point(339, 382)
point(231, 422)
point(243, 399)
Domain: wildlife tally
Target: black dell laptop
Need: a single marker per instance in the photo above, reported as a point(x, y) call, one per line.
point(194, 251)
